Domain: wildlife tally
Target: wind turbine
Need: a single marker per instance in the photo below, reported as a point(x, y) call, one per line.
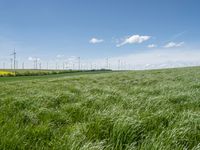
point(14, 59)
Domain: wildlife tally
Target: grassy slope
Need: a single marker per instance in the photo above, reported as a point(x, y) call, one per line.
point(157, 109)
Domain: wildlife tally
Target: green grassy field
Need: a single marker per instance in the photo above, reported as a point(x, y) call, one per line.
point(148, 110)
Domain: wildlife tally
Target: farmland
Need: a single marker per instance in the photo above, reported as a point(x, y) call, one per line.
point(38, 72)
point(6, 73)
point(155, 109)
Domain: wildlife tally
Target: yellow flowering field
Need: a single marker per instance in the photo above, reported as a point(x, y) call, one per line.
point(6, 73)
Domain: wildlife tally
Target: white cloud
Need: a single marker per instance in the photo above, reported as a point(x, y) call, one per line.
point(95, 41)
point(134, 39)
point(173, 44)
point(152, 46)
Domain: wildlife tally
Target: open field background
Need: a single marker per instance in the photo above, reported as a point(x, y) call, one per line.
point(38, 72)
point(158, 109)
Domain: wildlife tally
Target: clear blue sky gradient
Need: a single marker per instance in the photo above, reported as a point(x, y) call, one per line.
point(50, 27)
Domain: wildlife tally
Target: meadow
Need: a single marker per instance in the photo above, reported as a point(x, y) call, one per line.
point(130, 110)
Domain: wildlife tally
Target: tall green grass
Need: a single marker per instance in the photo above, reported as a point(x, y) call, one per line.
point(139, 110)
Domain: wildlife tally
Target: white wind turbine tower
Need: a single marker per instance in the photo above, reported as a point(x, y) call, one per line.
point(14, 60)
point(79, 63)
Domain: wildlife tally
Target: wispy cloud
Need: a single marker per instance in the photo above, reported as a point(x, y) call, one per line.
point(176, 36)
point(95, 41)
point(152, 46)
point(173, 44)
point(134, 39)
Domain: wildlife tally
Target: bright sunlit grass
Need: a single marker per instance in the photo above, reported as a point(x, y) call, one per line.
point(141, 110)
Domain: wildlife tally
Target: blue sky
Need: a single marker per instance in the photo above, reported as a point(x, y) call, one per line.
point(117, 29)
